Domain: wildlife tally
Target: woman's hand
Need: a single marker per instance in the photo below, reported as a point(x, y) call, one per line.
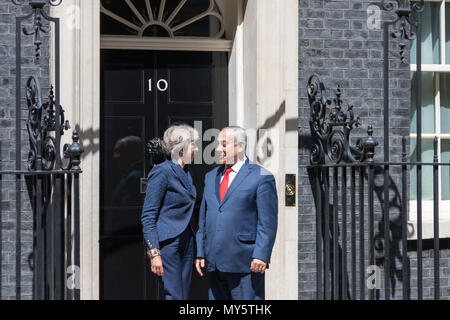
point(199, 265)
point(157, 266)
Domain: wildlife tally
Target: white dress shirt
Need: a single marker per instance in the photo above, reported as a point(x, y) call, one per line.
point(234, 170)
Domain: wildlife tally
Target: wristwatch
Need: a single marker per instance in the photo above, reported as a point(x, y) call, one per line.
point(153, 253)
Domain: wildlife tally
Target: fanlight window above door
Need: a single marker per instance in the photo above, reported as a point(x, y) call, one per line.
point(162, 18)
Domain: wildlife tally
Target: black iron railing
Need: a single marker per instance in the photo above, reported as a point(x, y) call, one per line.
point(349, 246)
point(340, 206)
point(56, 242)
point(53, 187)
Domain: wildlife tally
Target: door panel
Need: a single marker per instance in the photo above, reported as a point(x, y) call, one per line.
point(142, 93)
point(183, 90)
point(126, 85)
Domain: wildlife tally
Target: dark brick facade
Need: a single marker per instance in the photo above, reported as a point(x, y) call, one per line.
point(9, 281)
point(336, 43)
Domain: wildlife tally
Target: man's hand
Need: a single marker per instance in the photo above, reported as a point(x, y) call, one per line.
point(199, 264)
point(258, 266)
point(157, 266)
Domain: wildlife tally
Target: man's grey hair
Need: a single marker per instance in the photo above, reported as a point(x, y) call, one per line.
point(177, 137)
point(239, 134)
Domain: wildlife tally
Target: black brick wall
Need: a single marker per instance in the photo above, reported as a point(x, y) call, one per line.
point(336, 43)
point(8, 214)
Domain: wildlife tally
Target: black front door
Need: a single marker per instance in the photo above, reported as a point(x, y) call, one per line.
point(142, 93)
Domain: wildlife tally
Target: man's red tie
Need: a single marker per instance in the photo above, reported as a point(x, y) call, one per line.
point(224, 183)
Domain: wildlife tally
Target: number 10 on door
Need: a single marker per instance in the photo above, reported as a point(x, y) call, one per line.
point(161, 85)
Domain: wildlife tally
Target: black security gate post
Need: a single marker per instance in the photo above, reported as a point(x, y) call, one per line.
point(419, 159)
point(403, 10)
point(405, 262)
point(362, 274)
point(319, 293)
point(436, 219)
point(386, 159)
point(369, 147)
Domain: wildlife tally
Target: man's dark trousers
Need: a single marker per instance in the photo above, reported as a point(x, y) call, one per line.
point(235, 286)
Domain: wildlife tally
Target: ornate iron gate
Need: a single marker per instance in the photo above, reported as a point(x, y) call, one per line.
point(354, 179)
point(53, 187)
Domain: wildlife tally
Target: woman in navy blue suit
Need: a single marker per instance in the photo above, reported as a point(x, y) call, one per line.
point(167, 213)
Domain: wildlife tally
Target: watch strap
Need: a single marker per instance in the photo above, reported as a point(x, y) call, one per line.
point(153, 252)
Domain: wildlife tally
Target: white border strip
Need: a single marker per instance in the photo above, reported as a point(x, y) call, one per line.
point(432, 67)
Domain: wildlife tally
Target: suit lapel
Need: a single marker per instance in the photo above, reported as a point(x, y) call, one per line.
point(191, 183)
point(217, 184)
point(179, 172)
point(243, 172)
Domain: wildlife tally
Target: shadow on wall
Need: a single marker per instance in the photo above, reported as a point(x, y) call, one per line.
point(265, 142)
point(90, 140)
point(395, 230)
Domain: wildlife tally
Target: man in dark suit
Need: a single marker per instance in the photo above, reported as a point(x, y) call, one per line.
point(237, 222)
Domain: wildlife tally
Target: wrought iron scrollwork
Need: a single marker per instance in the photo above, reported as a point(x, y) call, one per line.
point(54, 3)
point(332, 133)
point(34, 102)
point(38, 27)
point(404, 23)
point(155, 151)
point(73, 152)
point(41, 122)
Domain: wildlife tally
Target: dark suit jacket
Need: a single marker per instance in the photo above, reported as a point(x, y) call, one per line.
point(241, 227)
point(169, 203)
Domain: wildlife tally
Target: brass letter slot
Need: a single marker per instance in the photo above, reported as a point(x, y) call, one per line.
point(290, 190)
